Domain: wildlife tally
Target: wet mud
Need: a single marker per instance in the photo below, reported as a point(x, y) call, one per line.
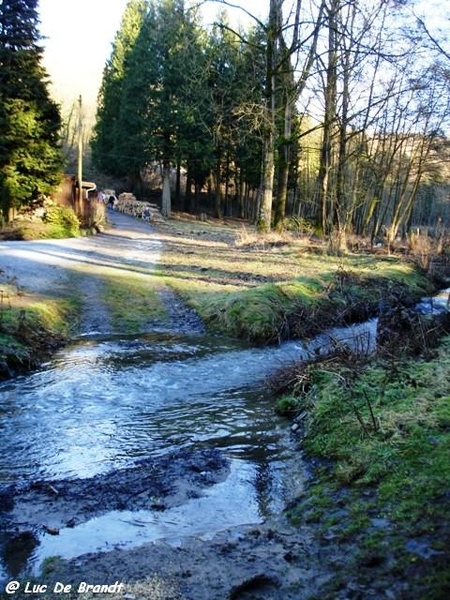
point(157, 484)
point(271, 560)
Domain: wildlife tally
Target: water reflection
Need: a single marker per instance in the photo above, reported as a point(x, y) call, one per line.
point(104, 403)
point(230, 503)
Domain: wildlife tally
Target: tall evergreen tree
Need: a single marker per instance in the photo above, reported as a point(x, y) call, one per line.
point(225, 91)
point(153, 108)
point(107, 132)
point(30, 159)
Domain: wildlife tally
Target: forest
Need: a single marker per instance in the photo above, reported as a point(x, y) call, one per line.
point(328, 117)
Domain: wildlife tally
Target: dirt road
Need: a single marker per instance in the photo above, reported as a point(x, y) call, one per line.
point(78, 266)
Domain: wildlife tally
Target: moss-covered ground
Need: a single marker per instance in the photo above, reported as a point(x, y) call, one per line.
point(378, 435)
point(139, 295)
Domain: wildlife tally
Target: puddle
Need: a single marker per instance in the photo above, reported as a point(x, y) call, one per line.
point(227, 504)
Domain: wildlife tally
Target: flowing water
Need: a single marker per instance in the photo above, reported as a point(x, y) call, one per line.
point(105, 402)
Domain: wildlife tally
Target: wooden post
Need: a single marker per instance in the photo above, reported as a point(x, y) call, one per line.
point(80, 208)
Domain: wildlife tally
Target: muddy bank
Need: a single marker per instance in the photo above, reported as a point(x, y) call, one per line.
point(156, 483)
point(268, 560)
point(27, 348)
point(249, 562)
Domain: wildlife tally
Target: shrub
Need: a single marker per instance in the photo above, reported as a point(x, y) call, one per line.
point(63, 222)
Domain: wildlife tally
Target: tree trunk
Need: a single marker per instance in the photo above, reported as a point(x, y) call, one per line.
point(282, 192)
point(188, 190)
point(325, 194)
point(166, 205)
point(217, 188)
point(264, 222)
point(178, 184)
point(265, 210)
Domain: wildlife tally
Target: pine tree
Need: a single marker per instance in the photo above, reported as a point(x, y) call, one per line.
point(30, 159)
point(107, 135)
point(154, 112)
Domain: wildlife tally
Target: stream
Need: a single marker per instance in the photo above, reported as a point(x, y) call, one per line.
point(105, 402)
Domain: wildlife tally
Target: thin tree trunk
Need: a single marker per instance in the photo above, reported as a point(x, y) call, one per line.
point(283, 178)
point(178, 184)
point(217, 187)
point(188, 190)
point(265, 210)
point(166, 206)
point(325, 194)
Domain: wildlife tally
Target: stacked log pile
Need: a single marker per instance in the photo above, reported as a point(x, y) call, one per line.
point(128, 204)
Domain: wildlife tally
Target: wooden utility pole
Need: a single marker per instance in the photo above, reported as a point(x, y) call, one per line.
point(80, 208)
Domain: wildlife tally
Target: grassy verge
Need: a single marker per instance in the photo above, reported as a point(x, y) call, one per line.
point(31, 328)
point(133, 302)
point(268, 288)
point(379, 438)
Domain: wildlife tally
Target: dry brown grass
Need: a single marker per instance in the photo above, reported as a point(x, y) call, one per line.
point(252, 285)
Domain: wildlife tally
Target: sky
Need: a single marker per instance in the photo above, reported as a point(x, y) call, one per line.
point(77, 42)
point(78, 35)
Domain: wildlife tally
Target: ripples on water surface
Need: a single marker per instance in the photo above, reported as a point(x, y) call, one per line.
point(103, 403)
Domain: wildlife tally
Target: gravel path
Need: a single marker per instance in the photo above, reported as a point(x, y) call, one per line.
point(60, 267)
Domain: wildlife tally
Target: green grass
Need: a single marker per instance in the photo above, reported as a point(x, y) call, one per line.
point(382, 434)
point(132, 301)
point(20, 310)
point(31, 327)
point(264, 294)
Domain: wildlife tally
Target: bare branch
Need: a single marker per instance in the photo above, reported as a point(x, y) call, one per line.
point(432, 39)
point(231, 5)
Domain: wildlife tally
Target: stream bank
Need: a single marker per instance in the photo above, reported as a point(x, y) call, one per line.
point(276, 558)
point(377, 435)
point(184, 273)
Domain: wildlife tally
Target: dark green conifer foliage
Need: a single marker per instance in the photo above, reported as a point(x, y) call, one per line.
point(171, 95)
point(106, 152)
point(30, 158)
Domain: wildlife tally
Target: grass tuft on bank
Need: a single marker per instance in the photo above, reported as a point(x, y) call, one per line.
point(378, 434)
point(31, 328)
